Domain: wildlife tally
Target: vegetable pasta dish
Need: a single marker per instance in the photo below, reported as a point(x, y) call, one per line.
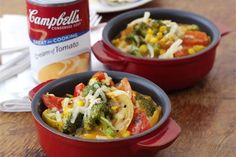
point(163, 39)
point(101, 110)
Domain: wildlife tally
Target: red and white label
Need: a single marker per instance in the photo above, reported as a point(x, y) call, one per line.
point(57, 32)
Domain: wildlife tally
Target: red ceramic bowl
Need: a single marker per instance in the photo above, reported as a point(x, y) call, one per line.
point(169, 74)
point(57, 144)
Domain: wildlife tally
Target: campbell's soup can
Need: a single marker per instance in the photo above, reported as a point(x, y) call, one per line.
point(59, 37)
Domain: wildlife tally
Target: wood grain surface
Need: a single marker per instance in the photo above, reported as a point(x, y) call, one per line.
point(206, 112)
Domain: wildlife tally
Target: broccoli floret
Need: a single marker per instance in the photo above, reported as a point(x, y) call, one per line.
point(140, 29)
point(133, 39)
point(91, 88)
point(135, 51)
point(147, 104)
point(70, 128)
point(86, 90)
point(97, 111)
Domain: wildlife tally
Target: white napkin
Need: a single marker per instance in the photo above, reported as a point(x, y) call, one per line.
point(14, 33)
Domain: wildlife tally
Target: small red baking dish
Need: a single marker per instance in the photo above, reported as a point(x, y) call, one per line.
point(147, 143)
point(169, 74)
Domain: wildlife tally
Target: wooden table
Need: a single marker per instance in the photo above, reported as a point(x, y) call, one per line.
point(206, 112)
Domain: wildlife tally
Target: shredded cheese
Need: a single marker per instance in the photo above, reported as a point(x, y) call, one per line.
point(107, 80)
point(173, 28)
point(65, 102)
point(144, 19)
point(88, 109)
point(58, 116)
point(92, 81)
point(176, 46)
point(151, 50)
point(105, 88)
point(76, 110)
point(88, 97)
point(91, 99)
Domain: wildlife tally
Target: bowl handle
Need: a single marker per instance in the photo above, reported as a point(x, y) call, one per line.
point(33, 91)
point(102, 55)
point(224, 30)
point(163, 139)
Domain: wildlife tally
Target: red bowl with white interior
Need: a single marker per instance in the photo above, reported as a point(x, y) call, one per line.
point(169, 74)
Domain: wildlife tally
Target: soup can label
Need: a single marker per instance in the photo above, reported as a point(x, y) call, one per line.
point(59, 37)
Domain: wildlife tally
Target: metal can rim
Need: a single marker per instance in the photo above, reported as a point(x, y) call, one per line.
point(39, 3)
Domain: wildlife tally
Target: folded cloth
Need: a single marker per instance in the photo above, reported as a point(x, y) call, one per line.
point(15, 105)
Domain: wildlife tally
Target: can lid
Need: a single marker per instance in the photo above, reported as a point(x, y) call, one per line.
point(52, 2)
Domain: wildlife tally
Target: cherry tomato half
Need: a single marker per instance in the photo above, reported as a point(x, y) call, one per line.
point(52, 101)
point(99, 76)
point(140, 122)
point(78, 89)
point(196, 38)
point(125, 86)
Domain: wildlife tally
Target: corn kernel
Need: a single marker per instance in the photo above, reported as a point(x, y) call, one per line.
point(148, 37)
point(154, 40)
point(172, 38)
point(143, 49)
point(162, 51)
point(126, 133)
point(80, 103)
point(163, 41)
point(163, 29)
point(159, 35)
point(122, 44)
point(198, 47)
point(115, 41)
point(149, 31)
point(156, 51)
point(191, 51)
point(115, 108)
